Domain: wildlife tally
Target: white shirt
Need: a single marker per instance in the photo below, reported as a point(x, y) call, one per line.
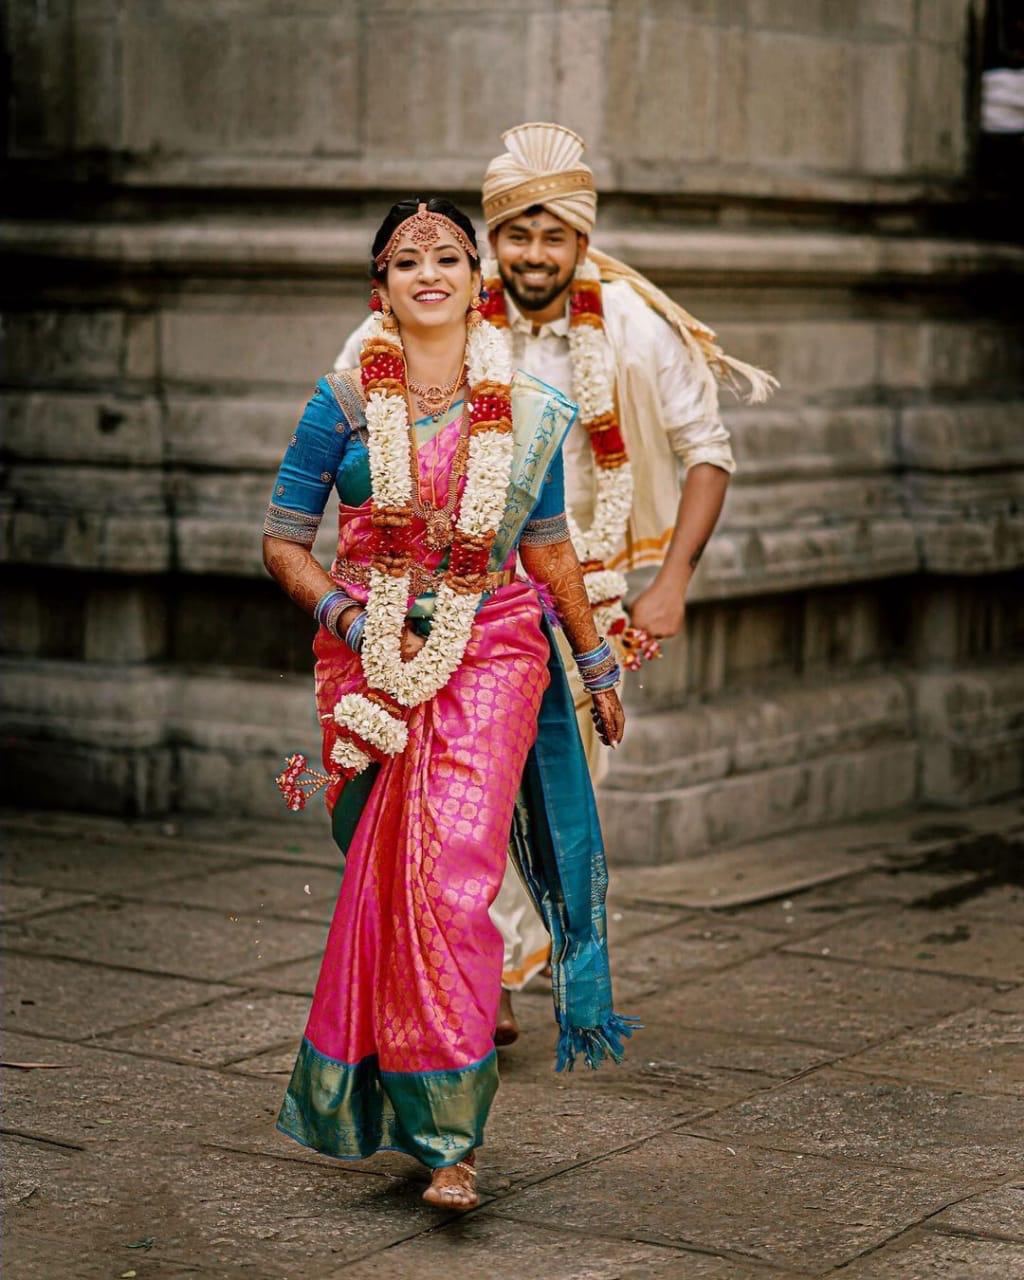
point(694, 436)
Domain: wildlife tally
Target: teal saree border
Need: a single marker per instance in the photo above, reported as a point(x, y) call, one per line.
point(352, 1110)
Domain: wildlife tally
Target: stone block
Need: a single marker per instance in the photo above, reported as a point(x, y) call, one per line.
point(475, 104)
point(668, 62)
point(63, 347)
point(276, 344)
point(742, 735)
point(883, 107)
point(41, 773)
point(41, 85)
point(944, 21)
point(972, 546)
point(124, 624)
point(970, 726)
point(97, 60)
point(824, 17)
point(834, 1113)
point(938, 143)
point(65, 427)
point(778, 1207)
point(790, 76)
point(86, 541)
point(188, 79)
point(963, 437)
point(809, 443)
point(669, 825)
point(889, 17)
point(97, 707)
point(231, 432)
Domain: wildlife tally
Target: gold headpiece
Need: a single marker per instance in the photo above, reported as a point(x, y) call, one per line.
point(424, 229)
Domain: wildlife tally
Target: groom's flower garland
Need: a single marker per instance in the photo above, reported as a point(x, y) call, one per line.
point(372, 725)
point(592, 389)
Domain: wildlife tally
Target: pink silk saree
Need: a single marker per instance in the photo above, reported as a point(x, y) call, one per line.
point(398, 1051)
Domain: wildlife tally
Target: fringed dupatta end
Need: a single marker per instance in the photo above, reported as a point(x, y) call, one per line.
point(556, 844)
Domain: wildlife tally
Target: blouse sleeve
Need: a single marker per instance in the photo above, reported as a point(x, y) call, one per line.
point(547, 523)
point(308, 469)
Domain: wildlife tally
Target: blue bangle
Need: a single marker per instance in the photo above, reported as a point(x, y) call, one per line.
point(330, 607)
point(354, 634)
point(590, 659)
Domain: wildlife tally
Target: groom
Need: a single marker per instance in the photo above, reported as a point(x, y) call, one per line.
point(645, 374)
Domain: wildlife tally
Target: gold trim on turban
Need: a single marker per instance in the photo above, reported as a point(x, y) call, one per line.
point(542, 165)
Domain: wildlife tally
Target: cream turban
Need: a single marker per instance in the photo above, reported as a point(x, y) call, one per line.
point(541, 165)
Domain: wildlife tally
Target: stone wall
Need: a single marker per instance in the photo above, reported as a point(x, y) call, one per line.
point(191, 200)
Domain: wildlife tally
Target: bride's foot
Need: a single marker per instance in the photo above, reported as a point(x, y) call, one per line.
point(452, 1187)
point(507, 1030)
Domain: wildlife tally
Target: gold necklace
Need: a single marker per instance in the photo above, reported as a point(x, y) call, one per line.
point(434, 401)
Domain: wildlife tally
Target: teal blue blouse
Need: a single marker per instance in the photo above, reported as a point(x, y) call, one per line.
point(328, 451)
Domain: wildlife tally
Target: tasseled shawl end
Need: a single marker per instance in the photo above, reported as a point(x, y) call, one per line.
point(595, 1044)
point(696, 337)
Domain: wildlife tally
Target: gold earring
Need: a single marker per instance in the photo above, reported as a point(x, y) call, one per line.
point(390, 323)
point(473, 316)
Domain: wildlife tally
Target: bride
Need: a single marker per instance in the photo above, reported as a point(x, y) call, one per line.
point(449, 735)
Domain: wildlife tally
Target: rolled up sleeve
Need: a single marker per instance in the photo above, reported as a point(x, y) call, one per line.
point(694, 434)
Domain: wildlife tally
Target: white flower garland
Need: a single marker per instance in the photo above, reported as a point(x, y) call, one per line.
point(481, 509)
point(372, 723)
point(593, 390)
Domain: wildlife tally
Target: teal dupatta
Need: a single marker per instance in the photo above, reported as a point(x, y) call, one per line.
point(555, 841)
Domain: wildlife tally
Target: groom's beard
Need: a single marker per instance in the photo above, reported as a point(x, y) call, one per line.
point(535, 297)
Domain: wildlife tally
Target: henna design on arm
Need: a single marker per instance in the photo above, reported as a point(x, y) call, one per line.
point(557, 566)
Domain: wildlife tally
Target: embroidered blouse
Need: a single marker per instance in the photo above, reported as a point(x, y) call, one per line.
point(327, 451)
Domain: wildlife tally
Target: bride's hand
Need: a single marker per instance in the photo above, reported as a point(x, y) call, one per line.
point(609, 717)
point(411, 643)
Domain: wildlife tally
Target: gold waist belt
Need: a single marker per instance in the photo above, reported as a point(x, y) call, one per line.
point(421, 581)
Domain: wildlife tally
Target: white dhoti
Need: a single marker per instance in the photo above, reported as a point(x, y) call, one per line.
point(527, 945)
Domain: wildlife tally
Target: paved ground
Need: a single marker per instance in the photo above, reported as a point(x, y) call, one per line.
point(831, 1079)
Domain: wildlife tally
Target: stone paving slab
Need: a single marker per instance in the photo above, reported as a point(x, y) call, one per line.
point(222, 1213)
point(981, 1049)
point(784, 1112)
point(186, 942)
point(77, 1001)
point(930, 940)
point(815, 1000)
point(97, 863)
point(995, 1213)
point(258, 889)
point(475, 1248)
point(103, 1099)
point(790, 1209)
point(907, 1125)
point(235, 1026)
point(655, 960)
point(23, 900)
point(932, 1255)
point(295, 977)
